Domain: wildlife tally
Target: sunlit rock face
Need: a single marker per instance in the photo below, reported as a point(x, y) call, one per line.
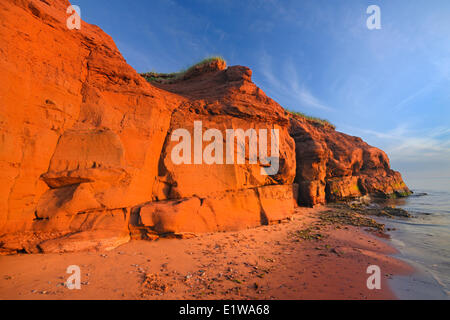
point(334, 166)
point(85, 145)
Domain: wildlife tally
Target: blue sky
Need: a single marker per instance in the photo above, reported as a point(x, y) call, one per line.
point(389, 86)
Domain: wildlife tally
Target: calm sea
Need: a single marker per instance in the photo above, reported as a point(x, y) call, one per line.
point(423, 241)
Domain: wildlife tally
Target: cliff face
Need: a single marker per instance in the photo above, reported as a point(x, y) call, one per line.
point(334, 166)
point(85, 148)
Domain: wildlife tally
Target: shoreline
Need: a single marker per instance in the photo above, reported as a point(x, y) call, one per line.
point(422, 284)
point(305, 257)
point(421, 242)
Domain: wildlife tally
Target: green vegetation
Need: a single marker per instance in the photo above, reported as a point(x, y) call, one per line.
point(306, 234)
point(398, 194)
point(349, 217)
point(157, 77)
point(172, 77)
point(316, 120)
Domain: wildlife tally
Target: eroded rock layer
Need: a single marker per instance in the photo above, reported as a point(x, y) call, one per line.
point(85, 145)
point(334, 166)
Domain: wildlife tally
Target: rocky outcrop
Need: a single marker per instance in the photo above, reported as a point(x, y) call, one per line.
point(334, 166)
point(79, 127)
point(86, 145)
point(225, 211)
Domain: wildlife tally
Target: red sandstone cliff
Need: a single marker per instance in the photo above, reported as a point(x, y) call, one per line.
point(85, 144)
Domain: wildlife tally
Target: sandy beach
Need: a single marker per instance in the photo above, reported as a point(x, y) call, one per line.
point(305, 257)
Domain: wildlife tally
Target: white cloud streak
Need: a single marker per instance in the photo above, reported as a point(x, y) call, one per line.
point(288, 84)
point(411, 145)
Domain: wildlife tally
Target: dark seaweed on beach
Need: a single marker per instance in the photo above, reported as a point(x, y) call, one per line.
point(347, 217)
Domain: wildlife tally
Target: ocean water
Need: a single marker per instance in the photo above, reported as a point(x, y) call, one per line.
point(423, 241)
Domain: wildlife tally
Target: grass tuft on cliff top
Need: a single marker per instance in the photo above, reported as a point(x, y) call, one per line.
point(322, 122)
point(158, 77)
point(154, 76)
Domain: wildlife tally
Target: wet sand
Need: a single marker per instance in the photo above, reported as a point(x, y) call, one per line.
point(302, 258)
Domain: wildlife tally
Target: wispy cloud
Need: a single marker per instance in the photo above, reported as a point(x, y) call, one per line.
point(410, 145)
point(306, 98)
point(288, 84)
point(425, 89)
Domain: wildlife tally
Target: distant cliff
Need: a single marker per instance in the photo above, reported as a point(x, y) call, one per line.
point(86, 144)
